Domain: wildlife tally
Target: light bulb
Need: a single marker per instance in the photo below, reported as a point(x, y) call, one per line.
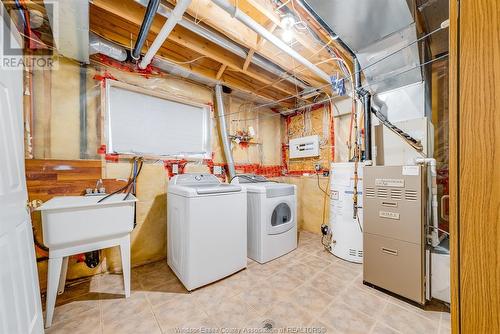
point(287, 21)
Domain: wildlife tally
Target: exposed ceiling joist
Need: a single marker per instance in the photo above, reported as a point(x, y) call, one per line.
point(187, 39)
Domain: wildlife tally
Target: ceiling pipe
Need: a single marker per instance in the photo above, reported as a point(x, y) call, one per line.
point(167, 28)
point(229, 45)
point(250, 23)
point(145, 26)
point(223, 131)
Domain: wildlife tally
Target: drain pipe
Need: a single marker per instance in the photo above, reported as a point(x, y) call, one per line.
point(367, 107)
point(250, 23)
point(167, 28)
point(357, 74)
point(223, 131)
point(431, 162)
point(146, 25)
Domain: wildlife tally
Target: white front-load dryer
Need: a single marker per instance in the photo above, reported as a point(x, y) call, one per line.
point(206, 229)
point(272, 217)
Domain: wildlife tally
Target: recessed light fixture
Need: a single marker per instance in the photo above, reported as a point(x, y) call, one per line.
point(287, 21)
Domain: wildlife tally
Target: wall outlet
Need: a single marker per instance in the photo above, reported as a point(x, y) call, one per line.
point(217, 170)
point(175, 169)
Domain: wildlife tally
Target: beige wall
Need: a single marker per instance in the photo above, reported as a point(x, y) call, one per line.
point(57, 135)
point(313, 207)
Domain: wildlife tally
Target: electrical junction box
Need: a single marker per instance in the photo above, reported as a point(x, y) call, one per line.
point(304, 147)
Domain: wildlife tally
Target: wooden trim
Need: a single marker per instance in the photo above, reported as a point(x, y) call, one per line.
point(474, 171)
point(453, 167)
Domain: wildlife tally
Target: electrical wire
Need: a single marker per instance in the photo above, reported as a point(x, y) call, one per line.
point(366, 67)
point(288, 111)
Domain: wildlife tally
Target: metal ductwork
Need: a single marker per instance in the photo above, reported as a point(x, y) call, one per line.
point(102, 46)
point(223, 131)
point(69, 21)
point(373, 29)
point(117, 52)
point(214, 37)
point(145, 26)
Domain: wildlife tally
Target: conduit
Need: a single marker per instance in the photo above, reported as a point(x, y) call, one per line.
point(223, 131)
point(145, 26)
point(167, 28)
point(250, 23)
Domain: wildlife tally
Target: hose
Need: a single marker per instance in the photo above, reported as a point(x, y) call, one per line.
point(126, 187)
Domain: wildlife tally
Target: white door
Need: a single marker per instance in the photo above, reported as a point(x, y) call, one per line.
point(20, 305)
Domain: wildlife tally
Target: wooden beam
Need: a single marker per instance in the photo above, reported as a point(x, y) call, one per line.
point(221, 71)
point(260, 42)
point(177, 53)
point(187, 39)
point(221, 21)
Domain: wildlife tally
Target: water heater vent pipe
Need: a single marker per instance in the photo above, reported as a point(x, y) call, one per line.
point(223, 130)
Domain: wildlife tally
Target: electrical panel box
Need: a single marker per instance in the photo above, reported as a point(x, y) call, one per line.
point(394, 202)
point(304, 147)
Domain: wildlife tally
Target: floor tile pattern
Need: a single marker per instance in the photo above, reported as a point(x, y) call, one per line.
point(307, 288)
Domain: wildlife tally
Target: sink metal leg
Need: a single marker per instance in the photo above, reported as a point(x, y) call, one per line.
point(125, 253)
point(53, 281)
point(62, 279)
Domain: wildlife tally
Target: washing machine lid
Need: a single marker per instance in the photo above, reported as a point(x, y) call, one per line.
point(259, 184)
point(192, 185)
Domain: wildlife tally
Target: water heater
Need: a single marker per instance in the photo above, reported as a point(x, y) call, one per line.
point(346, 211)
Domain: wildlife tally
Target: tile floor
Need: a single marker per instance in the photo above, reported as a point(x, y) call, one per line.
point(306, 288)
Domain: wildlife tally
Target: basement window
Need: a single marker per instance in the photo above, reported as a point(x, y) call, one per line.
point(151, 124)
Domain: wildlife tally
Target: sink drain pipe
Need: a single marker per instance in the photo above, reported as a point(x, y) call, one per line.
point(223, 131)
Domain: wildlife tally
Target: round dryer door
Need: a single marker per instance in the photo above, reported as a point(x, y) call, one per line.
point(281, 219)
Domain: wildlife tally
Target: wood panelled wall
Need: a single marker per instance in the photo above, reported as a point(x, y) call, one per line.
point(474, 165)
point(48, 178)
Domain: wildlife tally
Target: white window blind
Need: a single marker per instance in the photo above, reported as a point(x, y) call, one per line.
point(141, 122)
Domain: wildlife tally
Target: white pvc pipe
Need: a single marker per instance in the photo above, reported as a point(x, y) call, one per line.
point(167, 28)
point(250, 23)
point(431, 162)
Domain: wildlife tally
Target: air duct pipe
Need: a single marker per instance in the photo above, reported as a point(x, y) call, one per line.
point(146, 25)
point(223, 130)
point(250, 23)
point(431, 162)
point(229, 45)
point(167, 28)
point(102, 46)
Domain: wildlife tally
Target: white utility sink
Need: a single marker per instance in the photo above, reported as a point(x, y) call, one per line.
point(78, 224)
point(72, 220)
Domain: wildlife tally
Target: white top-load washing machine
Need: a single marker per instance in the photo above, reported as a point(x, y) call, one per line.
point(206, 229)
point(272, 217)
